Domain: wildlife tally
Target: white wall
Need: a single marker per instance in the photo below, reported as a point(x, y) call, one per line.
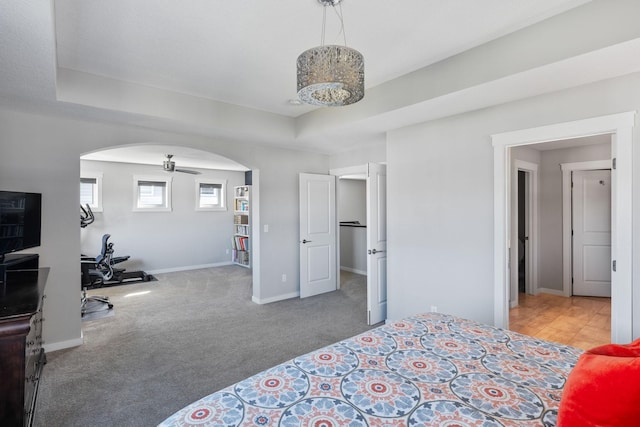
point(550, 231)
point(42, 154)
point(179, 239)
point(441, 250)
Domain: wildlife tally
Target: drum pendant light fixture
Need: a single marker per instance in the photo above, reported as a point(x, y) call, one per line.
point(331, 75)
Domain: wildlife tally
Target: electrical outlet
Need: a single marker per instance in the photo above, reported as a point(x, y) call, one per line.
point(434, 309)
point(284, 277)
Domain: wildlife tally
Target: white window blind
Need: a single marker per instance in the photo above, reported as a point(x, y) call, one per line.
point(209, 195)
point(88, 191)
point(152, 194)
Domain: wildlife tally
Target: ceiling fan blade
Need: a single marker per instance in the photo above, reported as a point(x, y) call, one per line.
point(187, 171)
point(170, 166)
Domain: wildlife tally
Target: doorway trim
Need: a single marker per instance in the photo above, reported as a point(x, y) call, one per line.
point(531, 169)
point(567, 254)
point(621, 127)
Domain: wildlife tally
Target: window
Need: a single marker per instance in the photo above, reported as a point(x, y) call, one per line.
point(210, 195)
point(91, 191)
point(152, 194)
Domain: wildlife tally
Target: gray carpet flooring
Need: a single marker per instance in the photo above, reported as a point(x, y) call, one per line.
point(175, 340)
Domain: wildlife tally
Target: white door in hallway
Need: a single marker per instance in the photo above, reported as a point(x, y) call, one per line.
point(591, 218)
point(317, 234)
point(377, 243)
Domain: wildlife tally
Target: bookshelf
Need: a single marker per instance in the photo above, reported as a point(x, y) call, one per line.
point(241, 241)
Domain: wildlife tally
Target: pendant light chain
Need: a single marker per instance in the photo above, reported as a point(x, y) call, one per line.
point(340, 16)
point(324, 25)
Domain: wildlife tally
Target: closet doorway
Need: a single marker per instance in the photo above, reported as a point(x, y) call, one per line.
point(361, 212)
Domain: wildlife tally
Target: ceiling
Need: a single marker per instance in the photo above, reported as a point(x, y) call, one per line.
point(154, 154)
point(227, 69)
point(244, 52)
point(572, 142)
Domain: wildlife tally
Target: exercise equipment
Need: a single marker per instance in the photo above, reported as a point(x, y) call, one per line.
point(86, 216)
point(102, 271)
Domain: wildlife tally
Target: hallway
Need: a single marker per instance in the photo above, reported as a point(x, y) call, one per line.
point(583, 322)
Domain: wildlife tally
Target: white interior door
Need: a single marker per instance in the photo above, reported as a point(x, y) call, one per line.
point(377, 243)
point(317, 234)
point(591, 217)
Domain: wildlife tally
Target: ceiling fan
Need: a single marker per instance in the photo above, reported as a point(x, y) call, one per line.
point(170, 166)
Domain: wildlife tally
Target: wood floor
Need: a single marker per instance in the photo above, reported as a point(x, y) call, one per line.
point(583, 322)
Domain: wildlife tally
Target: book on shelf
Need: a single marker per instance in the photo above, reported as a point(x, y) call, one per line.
point(241, 257)
point(241, 219)
point(241, 205)
point(240, 243)
point(242, 229)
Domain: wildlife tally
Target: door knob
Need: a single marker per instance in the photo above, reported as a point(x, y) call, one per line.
point(306, 241)
point(374, 251)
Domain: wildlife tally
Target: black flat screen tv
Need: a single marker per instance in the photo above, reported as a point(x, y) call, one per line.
point(20, 221)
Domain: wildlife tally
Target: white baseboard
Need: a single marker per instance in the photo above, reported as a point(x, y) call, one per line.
point(353, 270)
point(275, 299)
point(188, 267)
point(61, 345)
point(556, 292)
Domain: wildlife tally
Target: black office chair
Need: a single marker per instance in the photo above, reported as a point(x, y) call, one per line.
point(86, 306)
point(101, 270)
point(96, 272)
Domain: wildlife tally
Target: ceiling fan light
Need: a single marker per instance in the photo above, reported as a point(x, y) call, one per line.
point(168, 165)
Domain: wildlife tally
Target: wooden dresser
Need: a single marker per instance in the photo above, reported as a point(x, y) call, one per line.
point(21, 355)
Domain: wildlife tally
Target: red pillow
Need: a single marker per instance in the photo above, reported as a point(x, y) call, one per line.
point(603, 389)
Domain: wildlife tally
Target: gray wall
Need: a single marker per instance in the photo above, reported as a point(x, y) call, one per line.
point(441, 250)
point(526, 154)
point(353, 249)
point(352, 206)
point(374, 152)
point(352, 200)
point(550, 257)
point(550, 175)
point(179, 239)
point(42, 154)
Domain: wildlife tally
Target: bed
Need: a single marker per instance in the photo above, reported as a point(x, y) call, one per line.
point(430, 369)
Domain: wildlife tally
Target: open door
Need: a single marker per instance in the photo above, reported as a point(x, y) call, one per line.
point(523, 264)
point(376, 243)
point(318, 270)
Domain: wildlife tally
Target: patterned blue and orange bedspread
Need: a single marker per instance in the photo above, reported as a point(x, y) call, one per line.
point(428, 370)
